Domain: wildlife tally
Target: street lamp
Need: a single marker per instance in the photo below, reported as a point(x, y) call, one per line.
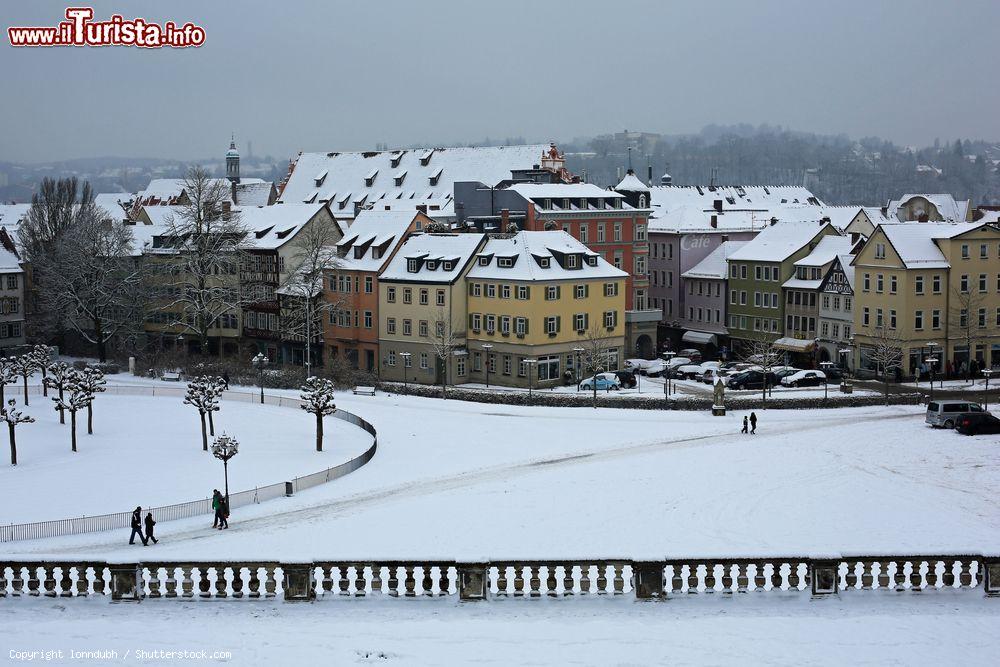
point(932, 346)
point(530, 363)
point(578, 351)
point(260, 362)
point(225, 448)
point(668, 355)
point(826, 366)
point(987, 372)
point(931, 362)
point(406, 364)
point(486, 348)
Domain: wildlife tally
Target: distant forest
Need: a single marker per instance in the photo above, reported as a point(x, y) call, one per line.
point(837, 169)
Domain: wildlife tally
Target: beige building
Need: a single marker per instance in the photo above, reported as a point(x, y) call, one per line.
point(422, 309)
point(933, 287)
point(12, 289)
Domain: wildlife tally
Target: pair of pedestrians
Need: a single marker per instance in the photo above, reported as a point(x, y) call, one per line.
point(220, 504)
point(751, 423)
point(137, 525)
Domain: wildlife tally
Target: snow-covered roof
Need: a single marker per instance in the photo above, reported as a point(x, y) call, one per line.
point(632, 183)
point(426, 173)
point(163, 215)
point(536, 191)
point(12, 214)
point(372, 233)
point(253, 193)
point(528, 251)
point(951, 210)
point(992, 217)
point(848, 268)
point(142, 236)
point(111, 203)
point(440, 258)
point(9, 261)
point(679, 209)
point(777, 242)
point(828, 248)
point(165, 191)
point(876, 215)
point(273, 226)
point(714, 265)
point(915, 242)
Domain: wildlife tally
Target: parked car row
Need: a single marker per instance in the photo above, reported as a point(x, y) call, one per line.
point(966, 417)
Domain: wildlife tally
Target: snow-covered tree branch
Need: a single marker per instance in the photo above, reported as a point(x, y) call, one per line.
point(317, 396)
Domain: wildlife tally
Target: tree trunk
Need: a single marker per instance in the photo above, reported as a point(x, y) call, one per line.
point(90, 419)
point(3, 399)
point(72, 422)
point(25, 389)
point(211, 425)
point(319, 432)
point(45, 389)
point(99, 338)
point(62, 413)
point(13, 445)
point(885, 382)
point(204, 433)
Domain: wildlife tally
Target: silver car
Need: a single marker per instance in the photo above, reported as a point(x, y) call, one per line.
point(946, 413)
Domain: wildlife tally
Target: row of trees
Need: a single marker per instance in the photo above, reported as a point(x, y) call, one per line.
point(90, 278)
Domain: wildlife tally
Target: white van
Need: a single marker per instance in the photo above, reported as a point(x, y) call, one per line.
point(946, 413)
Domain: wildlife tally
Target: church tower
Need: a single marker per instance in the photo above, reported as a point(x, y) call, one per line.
point(233, 162)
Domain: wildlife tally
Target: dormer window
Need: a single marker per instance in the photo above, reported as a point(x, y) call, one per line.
point(484, 261)
point(394, 160)
point(320, 177)
point(583, 203)
point(592, 260)
point(436, 176)
point(425, 159)
point(600, 202)
point(432, 265)
point(370, 178)
point(544, 262)
point(448, 266)
point(398, 178)
point(311, 198)
point(412, 265)
point(571, 261)
point(505, 262)
point(642, 201)
point(547, 204)
point(565, 203)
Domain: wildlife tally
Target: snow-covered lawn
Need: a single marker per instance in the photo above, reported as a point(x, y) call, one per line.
point(928, 629)
point(147, 451)
point(468, 481)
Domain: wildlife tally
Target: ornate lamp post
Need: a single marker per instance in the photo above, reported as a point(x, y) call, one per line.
point(932, 346)
point(931, 362)
point(260, 362)
point(987, 372)
point(406, 364)
point(225, 448)
point(486, 348)
point(826, 365)
point(530, 363)
point(578, 351)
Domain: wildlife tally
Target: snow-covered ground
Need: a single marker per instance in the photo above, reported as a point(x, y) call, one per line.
point(461, 480)
point(974, 385)
point(928, 629)
point(148, 451)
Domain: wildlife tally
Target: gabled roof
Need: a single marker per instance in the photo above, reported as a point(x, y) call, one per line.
point(777, 242)
point(12, 214)
point(914, 242)
point(372, 230)
point(271, 227)
point(529, 250)
point(714, 265)
point(111, 204)
point(253, 193)
point(456, 249)
point(631, 183)
point(679, 209)
point(950, 209)
point(554, 191)
point(428, 173)
point(828, 248)
point(165, 191)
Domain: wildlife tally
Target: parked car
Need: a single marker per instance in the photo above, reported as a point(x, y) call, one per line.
point(784, 372)
point(680, 361)
point(654, 369)
point(978, 422)
point(604, 381)
point(804, 379)
point(834, 374)
point(691, 353)
point(637, 365)
point(947, 413)
point(711, 375)
point(690, 371)
point(751, 380)
point(626, 378)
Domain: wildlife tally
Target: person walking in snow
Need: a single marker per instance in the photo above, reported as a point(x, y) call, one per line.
point(223, 513)
point(137, 527)
point(744, 424)
point(753, 423)
point(149, 528)
point(216, 507)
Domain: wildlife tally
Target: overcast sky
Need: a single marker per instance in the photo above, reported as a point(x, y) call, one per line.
point(296, 75)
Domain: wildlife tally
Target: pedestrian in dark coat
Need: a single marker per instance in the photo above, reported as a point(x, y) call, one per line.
point(223, 513)
point(225, 381)
point(216, 507)
point(744, 424)
point(149, 528)
point(137, 527)
point(753, 423)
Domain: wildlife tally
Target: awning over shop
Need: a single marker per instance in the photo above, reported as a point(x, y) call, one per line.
point(794, 344)
point(699, 338)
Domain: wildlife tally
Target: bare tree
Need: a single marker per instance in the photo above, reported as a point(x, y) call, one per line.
point(216, 385)
point(13, 417)
point(759, 350)
point(971, 326)
point(58, 377)
point(887, 353)
point(43, 354)
point(199, 278)
point(76, 398)
point(301, 293)
point(317, 398)
point(7, 376)
point(92, 380)
point(23, 366)
point(94, 281)
point(201, 395)
point(446, 337)
point(597, 346)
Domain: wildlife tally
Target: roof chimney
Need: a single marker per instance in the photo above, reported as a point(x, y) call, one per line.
point(715, 221)
point(504, 218)
point(718, 205)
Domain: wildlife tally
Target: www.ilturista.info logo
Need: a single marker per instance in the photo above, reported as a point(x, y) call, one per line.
point(79, 30)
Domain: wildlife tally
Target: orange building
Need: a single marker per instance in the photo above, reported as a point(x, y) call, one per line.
point(350, 332)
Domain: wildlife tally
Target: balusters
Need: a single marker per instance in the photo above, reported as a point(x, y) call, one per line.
point(948, 576)
point(676, 580)
point(501, 579)
point(535, 584)
point(602, 579)
point(692, 577)
point(170, 583)
point(443, 586)
point(793, 576)
point(100, 586)
point(393, 581)
point(742, 577)
point(965, 573)
point(883, 574)
point(376, 578)
point(899, 575)
point(932, 575)
point(569, 585)
point(727, 577)
point(584, 579)
point(867, 575)
point(343, 583)
point(427, 583)
point(3, 580)
point(254, 583)
point(409, 582)
point(33, 581)
point(518, 580)
point(154, 581)
point(709, 577)
point(66, 580)
point(759, 581)
point(619, 570)
point(237, 581)
point(220, 581)
point(187, 582)
point(916, 580)
point(48, 581)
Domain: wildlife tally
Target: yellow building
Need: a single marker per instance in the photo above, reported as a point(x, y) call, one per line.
point(535, 299)
point(422, 309)
point(934, 288)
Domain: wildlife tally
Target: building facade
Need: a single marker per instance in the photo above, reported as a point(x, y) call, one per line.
point(836, 313)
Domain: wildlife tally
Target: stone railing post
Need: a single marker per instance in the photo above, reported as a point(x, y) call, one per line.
point(648, 580)
point(299, 582)
point(472, 581)
point(991, 576)
point(125, 583)
point(824, 575)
